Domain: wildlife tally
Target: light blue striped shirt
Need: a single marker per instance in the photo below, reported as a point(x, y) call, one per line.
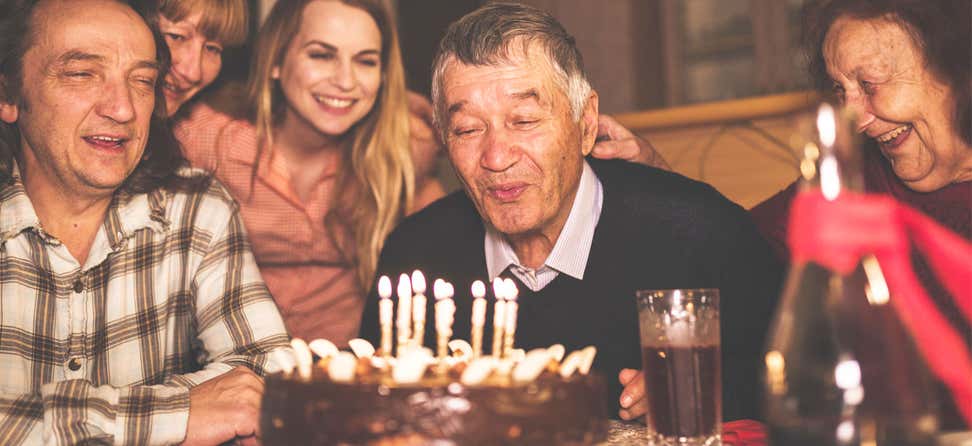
point(570, 252)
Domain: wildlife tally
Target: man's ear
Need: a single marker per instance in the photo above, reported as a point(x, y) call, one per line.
point(588, 124)
point(8, 108)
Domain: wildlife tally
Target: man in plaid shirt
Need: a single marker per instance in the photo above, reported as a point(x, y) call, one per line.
point(131, 309)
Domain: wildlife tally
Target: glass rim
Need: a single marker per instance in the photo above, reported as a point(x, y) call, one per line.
point(711, 295)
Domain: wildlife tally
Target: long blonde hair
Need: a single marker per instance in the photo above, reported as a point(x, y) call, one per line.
point(378, 167)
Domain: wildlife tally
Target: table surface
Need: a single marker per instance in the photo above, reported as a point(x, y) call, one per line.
point(621, 432)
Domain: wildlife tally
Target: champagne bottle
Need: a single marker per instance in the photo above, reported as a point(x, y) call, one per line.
point(840, 369)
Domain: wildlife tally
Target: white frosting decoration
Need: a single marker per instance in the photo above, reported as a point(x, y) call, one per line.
point(459, 345)
point(478, 370)
point(517, 355)
point(282, 359)
point(410, 366)
point(323, 348)
point(532, 365)
point(303, 356)
point(341, 368)
point(361, 348)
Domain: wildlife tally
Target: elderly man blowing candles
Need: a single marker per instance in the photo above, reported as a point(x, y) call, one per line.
point(518, 117)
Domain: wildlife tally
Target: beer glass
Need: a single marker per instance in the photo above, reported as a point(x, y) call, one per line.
point(681, 363)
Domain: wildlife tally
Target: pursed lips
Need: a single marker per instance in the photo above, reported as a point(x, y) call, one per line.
point(506, 192)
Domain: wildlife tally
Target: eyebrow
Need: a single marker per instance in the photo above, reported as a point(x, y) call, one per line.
point(81, 56)
point(519, 95)
point(330, 47)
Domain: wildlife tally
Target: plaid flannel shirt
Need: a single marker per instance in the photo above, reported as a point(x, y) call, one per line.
point(106, 352)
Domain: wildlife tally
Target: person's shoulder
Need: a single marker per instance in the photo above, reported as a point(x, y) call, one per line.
point(201, 200)
point(447, 220)
point(441, 215)
point(648, 187)
point(206, 134)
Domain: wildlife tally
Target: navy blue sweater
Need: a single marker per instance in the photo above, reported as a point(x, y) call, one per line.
point(657, 230)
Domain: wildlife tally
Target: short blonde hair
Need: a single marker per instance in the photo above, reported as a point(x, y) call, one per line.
point(225, 21)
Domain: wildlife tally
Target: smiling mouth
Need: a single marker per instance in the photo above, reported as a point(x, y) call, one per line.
point(894, 137)
point(333, 102)
point(105, 142)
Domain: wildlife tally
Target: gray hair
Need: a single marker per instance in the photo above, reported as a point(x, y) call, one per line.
point(485, 37)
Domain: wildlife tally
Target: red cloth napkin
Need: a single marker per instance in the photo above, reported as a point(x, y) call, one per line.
point(838, 233)
point(744, 433)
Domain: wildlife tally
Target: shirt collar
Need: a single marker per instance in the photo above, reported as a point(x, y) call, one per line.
point(573, 247)
point(127, 213)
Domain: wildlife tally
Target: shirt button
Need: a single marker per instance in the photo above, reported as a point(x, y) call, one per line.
point(78, 286)
point(74, 364)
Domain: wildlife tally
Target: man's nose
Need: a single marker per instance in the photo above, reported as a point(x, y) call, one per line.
point(116, 101)
point(500, 150)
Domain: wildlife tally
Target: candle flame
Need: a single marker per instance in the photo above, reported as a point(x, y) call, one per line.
point(439, 289)
point(404, 286)
point(512, 292)
point(479, 289)
point(418, 282)
point(499, 288)
point(450, 290)
point(826, 125)
point(384, 287)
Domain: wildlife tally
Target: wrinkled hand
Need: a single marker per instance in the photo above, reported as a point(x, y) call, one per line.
point(424, 141)
point(615, 141)
point(225, 408)
point(634, 405)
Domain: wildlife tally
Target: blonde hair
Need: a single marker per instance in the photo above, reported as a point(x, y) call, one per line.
point(225, 21)
point(378, 167)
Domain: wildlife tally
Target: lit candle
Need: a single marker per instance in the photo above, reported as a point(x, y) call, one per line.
point(404, 321)
point(385, 309)
point(418, 308)
point(499, 316)
point(512, 308)
point(445, 309)
point(478, 317)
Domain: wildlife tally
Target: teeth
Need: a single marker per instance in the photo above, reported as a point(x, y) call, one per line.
point(892, 134)
point(334, 102)
point(106, 139)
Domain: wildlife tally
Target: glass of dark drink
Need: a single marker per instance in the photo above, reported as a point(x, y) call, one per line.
point(681, 363)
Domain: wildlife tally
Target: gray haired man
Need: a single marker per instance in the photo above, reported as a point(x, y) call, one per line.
point(580, 235)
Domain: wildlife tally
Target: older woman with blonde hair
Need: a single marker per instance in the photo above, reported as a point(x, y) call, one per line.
point(322, 164)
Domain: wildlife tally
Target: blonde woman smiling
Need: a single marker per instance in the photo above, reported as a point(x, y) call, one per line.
point(323, 167)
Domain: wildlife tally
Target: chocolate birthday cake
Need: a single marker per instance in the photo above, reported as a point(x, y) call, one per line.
point(549, 410)
point(420, 397)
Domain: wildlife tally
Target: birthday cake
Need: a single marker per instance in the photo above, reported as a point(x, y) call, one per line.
point(417, 397)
